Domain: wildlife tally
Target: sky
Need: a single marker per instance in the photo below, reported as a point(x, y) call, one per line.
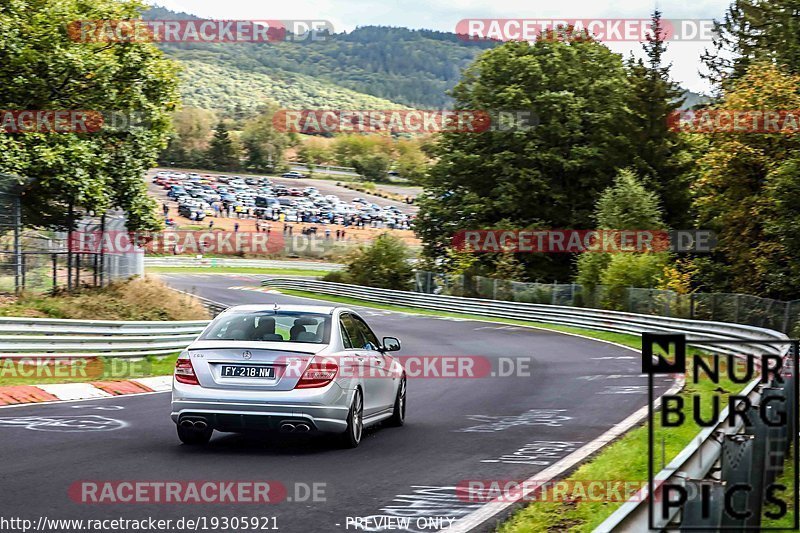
point(443, 15)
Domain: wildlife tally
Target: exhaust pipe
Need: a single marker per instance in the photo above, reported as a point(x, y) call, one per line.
point(201, 425)
point(185, 423)
point(302, 428)
point(288, 428)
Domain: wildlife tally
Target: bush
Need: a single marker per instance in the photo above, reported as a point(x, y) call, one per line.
point(631, 270)
point(336, 276)
point(383, 264)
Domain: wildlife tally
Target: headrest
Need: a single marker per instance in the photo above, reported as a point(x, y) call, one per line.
point(306, 336)
point(305, 321)
point(266, 321)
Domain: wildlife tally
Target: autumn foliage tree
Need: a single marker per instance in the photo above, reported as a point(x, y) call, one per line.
point(747, 191)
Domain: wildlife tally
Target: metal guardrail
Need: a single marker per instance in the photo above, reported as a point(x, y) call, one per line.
point(695, 461)
point(326, 169)
point(212, 262)
point(600, 319)
point(46, 337)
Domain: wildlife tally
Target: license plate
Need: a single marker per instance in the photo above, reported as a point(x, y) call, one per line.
point(247, 371)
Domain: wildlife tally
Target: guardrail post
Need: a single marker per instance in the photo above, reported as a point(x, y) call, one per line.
point(704, 505)
point(55, 273)
point(758, 429)
point(18, 268)
point(789, 383)
point(737, 468)
point(776, 438)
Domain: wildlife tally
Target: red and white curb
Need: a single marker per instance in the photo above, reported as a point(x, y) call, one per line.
point(55, 392)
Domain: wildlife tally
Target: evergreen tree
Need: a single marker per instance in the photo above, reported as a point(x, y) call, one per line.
point(662, 159)
point(222, 153)
point(626, 205)
point(753, 31)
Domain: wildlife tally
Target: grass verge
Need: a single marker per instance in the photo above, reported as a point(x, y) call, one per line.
point(787, 480)
point(137, 299)
point(84, 370)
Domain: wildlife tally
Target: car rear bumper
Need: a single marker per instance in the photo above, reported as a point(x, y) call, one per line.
point(323, 409)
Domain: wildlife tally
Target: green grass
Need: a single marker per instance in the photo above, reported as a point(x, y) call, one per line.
point(787, 480)
point(622, 460)
point(85, 369)
point(236, 270)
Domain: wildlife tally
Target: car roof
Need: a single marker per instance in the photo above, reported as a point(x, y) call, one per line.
point(324, 309)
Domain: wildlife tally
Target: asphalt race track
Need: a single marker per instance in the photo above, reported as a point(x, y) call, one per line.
point(456, 430)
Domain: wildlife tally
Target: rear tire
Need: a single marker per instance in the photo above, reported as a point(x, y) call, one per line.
point(194, 437)
point(355, 423)
point(399, 414)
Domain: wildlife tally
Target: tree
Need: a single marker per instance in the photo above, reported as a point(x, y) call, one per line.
point(412, 163)
point(222, 153)
point(627, 205)
point(662, 157)
point(541, 177)
point(190, 140)
point(754, 31)
point(44, 69)
point(746, 192)
point(372, 167)
point(263, 145)
point(314, 151)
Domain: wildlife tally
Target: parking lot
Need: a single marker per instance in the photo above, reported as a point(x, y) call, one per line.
point(258, 203)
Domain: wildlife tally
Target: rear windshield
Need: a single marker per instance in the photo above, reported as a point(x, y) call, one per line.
point(274, 326)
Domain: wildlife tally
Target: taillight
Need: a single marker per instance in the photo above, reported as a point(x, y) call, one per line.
point(317, 375)
point(184, 372)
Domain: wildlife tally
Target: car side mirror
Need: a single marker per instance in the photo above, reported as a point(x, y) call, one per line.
point(391, 344)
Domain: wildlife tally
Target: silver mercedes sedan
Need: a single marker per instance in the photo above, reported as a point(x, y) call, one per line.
point(287, 368)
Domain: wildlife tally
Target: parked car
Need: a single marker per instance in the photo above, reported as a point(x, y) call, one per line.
point(293, 174)
point(186, 210)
